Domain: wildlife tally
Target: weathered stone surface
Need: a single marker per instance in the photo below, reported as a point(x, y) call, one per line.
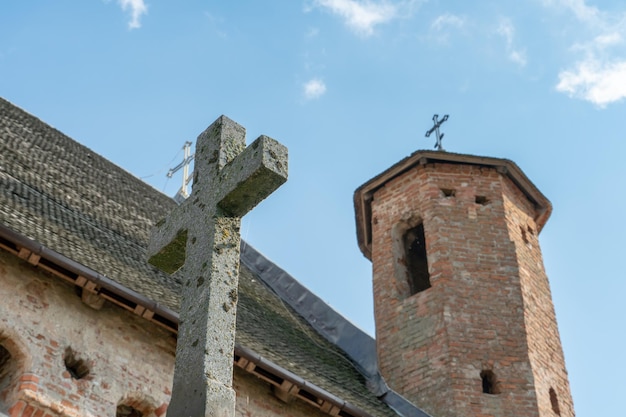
point(200, 240)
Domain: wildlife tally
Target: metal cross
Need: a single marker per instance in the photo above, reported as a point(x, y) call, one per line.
point(182, 193)
point(201, 239)
point(435, 129)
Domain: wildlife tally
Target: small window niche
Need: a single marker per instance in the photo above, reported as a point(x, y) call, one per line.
point(416, 261)
point(489, 382)
point(481, 200)
point(524, 235)
point(77, 368)
point(448, 192)
point(124, 410)
point(554, 402)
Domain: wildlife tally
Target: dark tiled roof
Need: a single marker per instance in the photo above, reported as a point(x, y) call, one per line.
point(61, 194)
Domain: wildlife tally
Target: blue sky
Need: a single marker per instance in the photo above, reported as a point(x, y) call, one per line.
point(350, 87)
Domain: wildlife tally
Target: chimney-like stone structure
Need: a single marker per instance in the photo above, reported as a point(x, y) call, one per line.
point(465, 325)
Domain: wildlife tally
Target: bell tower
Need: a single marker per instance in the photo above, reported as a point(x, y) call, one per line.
point(465, 325)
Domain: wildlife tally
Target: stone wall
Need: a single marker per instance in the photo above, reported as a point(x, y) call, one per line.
point(114, 357)
point(482, 340)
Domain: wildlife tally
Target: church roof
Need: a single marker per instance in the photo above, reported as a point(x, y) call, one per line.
point(76, 214)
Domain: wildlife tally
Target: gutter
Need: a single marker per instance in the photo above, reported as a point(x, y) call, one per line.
point(304, 386)
point(291, 385)
point(101, 281)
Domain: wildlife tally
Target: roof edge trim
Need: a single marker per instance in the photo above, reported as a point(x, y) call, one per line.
point(364, 195)
point(21, 243)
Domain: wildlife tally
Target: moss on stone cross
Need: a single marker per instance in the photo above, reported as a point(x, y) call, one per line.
point(200, 241)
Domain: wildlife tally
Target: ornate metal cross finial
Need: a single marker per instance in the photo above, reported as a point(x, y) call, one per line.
point(435, 129)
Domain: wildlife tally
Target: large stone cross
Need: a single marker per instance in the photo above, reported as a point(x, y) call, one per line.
point(201, 238)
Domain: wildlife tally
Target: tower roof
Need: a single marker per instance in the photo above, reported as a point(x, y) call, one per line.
point(364, 195)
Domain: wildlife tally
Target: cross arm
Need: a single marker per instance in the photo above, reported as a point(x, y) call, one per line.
point(253, 175)
point(167, 246)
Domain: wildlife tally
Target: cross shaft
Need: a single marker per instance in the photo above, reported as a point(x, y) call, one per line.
point(199, 241)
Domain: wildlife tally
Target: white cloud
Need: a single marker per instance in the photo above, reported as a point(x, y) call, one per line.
point(363, 15)
point(599, 76)
point(314, 88)
point(608, 39)
point(137, 8)
point(506, 29)
point(596, 81)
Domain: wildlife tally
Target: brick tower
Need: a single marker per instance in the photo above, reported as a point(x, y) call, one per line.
point(465, 324)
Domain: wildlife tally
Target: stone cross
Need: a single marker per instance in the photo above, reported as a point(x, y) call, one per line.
point(435, 129)
point(201, 239)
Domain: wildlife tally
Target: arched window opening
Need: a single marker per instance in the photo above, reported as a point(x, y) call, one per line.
point(14, 359)
point(124, 410)
point(5, 358)
point(554, 402)
point(490, 383)
point(417, 262)
point(5, 376)
point(135, 404)
point(9, 368)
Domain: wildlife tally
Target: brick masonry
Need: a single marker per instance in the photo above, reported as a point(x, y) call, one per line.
point(130, 360)
point(489, 307)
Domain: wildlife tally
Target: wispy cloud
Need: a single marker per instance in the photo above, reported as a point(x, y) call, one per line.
point(216, 22)
point(506, 29)
point(579, 8)
point(447, 20)
point(137, 8)
point(442, 26)
point(312, 32)
point(599, 75)
point(362, 16)
point(314, 88)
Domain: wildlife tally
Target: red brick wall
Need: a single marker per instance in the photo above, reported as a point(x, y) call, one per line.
point(489, 307)
point(544, 342)
point(131, 360)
